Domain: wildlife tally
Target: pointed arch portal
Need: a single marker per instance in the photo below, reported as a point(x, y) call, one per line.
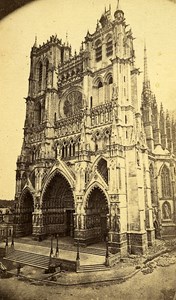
point(26, 209)
point(58, 207)
point(96, 215)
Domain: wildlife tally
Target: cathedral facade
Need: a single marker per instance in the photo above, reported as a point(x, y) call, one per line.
point(97, 163)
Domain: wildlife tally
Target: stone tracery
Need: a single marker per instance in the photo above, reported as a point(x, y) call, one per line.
point(73, 104)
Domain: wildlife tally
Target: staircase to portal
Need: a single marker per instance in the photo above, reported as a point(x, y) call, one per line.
point(92, 268)
point(28, 258)
point(23, 254)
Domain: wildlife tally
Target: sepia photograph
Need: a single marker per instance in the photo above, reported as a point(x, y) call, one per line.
point(88, 149)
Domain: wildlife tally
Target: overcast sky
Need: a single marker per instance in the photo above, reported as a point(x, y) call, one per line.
point(154, 20)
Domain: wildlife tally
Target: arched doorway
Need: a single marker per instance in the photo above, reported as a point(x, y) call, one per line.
point(26, 209)
point(157, 229)
point(96, 215)
point(58, 207)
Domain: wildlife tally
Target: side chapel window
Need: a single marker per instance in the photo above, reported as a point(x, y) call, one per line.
point(165, 182)
point(152, 183)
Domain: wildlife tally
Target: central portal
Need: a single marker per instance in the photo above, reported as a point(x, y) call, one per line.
point(58, 207)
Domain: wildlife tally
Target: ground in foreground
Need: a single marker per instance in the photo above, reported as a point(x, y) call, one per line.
point(158, 285)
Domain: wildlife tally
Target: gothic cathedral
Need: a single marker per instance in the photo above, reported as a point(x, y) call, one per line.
point(96, 162)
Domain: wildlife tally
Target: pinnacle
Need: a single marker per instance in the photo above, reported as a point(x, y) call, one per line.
point(35, 43)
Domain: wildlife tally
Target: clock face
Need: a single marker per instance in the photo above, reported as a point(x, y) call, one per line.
point(73, 104)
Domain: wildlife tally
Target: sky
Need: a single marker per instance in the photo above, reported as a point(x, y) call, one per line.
point(151, 20)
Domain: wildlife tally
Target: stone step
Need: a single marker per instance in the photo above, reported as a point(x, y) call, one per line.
point(29, 258)
point(92, 268)
point(19, 253)
point(39, 264)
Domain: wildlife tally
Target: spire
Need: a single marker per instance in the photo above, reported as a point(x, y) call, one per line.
point(146, 79)
point(118, 6)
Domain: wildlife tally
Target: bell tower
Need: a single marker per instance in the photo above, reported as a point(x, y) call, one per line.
point(45, 60)
point(37, 153)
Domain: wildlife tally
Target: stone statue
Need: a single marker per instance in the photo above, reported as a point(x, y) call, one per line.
point(166, 211)
point(114, 91)
point(75, 221)
point(117, 224)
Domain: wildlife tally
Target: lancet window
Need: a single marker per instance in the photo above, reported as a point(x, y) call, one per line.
point(165, 182)
point(68, 149)
point(38, 114)
point(152, 183)
point(47, 69)
point(109, 47)
point(109, 88)
point(98, 50)
point(100, 92)
point(40, 75)
point(126, 119)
